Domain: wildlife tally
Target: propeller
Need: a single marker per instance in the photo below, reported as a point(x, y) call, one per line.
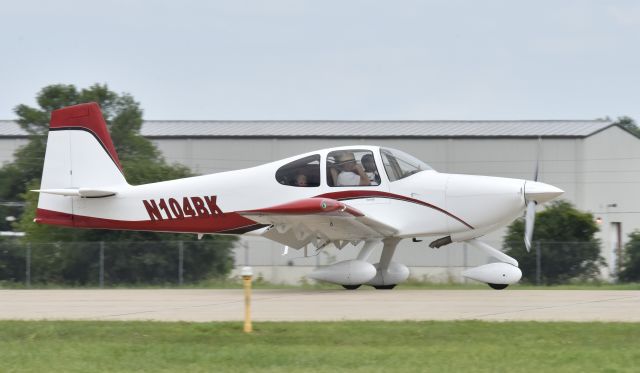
point(530, 215)
point(529, 222)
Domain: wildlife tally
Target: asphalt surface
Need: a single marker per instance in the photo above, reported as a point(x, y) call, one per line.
point(322, 305)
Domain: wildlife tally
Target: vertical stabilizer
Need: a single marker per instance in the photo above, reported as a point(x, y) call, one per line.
point(80, 154)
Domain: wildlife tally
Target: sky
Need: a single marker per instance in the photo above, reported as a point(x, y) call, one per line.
point(348, 60)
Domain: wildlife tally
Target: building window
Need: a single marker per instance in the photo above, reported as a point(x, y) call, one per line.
point(304, 172)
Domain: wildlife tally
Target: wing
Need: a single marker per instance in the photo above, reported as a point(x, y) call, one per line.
point(317, 221)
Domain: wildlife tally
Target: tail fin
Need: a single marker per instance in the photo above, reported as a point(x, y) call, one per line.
point(80, 156)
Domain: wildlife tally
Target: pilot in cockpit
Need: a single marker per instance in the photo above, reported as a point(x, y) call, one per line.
point(351, 172)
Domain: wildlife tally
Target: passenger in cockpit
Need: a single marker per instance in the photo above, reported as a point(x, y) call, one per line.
point(369, 165)
point(301, 180)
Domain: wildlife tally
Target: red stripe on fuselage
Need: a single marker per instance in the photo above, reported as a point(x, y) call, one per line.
point(358, 194)
point(201, 224)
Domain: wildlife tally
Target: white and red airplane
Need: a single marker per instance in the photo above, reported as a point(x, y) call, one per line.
point(353, 194)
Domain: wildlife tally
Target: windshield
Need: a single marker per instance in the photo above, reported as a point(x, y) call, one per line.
point(400, 164)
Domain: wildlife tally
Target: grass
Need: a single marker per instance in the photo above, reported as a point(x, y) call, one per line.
point(470, 346)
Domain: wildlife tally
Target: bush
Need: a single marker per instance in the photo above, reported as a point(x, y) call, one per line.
point(568, 247)
point(630, 265)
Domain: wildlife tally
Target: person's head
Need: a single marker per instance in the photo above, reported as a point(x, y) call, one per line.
point(301, 180)
point(368, 163)
point(346, 161)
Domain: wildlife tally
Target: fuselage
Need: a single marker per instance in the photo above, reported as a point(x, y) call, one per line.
point(424, 203)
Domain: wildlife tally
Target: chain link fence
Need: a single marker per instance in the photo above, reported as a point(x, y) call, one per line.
point(558, 262)
point(169, 263)
point(113, 263)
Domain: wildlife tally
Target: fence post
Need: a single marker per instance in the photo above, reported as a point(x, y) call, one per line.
point(180, 262)
point(28, 265)
point(101, 264)
point(538, 262)
point(465, 260)
point(246, 254)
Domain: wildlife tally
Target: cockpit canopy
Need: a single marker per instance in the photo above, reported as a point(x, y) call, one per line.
point(350, 167)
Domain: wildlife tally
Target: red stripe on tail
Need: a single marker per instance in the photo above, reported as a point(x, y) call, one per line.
point(89, 117)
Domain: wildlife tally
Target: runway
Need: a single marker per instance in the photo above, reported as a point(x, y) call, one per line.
point(322, 305)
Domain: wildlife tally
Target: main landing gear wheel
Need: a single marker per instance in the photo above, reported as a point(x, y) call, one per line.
point(385, 287)
point(498, 286)
point(351, 287)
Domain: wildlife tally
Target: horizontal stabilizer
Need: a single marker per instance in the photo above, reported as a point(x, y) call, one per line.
point(78, 192)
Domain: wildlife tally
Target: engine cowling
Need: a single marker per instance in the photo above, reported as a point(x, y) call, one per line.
point(495, 273)
point(395, 274)
point(348, 272)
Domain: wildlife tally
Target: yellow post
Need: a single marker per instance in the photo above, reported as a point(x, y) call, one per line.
point(247, 274)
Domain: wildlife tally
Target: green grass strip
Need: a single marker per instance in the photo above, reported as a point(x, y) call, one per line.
point(465, 346)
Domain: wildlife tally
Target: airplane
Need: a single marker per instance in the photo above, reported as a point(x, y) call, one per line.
point(345, 195)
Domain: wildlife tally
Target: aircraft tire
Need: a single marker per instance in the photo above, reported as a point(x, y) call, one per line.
point(385, 287)
point(498, 286)
point(351, 287)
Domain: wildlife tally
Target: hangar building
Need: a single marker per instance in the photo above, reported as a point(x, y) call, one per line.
point(595, 162)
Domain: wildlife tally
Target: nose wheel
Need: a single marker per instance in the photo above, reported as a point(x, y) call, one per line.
point(351, 287)
point(498, 286)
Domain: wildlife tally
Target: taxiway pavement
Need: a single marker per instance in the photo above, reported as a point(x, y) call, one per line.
point(322, 305)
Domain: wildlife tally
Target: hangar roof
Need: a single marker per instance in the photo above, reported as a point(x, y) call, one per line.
point(369, 129)
point(9, 128)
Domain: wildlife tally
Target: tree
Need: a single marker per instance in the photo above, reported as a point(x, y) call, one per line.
point(630, 265)
point(629, 124)
point(569, 249)
point(142, 163)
